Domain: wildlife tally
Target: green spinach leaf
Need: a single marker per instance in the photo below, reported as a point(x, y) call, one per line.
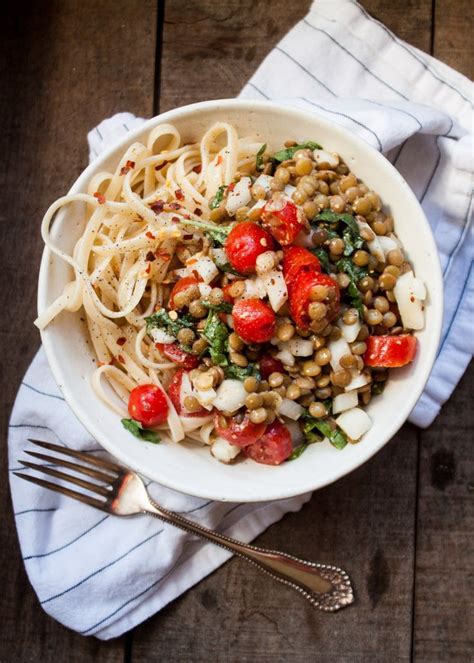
point(335, 435)
point(216, 333)
point(218, 198)
point(239, 373)
point(323, 258)
point(217, 234)
point(162, 320)
point(223, 307)
point(145, 434)
point(289, 152)
point(259, 159)
point(297, 451)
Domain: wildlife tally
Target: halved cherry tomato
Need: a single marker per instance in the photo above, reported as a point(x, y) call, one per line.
point(273, 447)
point(281, 218)
point(238, 430)
point(269, 365)
point(300, 297)
point(173, 352)
point(148, 405)
point(182, 285)
point(174, 393)
point(254, 321)
point(227, 296)
point(245, 242)
point(296, 260)
point(390, 351)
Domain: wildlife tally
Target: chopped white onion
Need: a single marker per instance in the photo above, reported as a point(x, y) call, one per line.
point(349, 332)
point(205, 267)
point(161, 336)
point(259, 204)
point(254, 288)
point(286, 357)
point(290, 409)
point(338, 349)
point(321, 156)
point(276, 289)
point(358, 380)
point(230, 396)
point(387, 243)
point(407, 290)
point(344, 402)
point(193, 423)
point(239, 196)
point(219, 256)
point(204, 290)
point(289, 190)
point(374, 245)
point(206, 397)
point(300, 347)
point(296, 433)
point(265, 181)
point(224, 451)
point(354, 423)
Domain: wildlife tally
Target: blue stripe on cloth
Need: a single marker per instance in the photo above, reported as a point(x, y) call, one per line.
point(258, 89)
point(66, 545)
point(462, 237)
point(351, 55)
point(290, 57)
point(102, 568)
point(453, 317)
point(410, 52)
point(438, 159)
point(156, 582)
point(398, 110)
point(20, 513)
point(43, 393)
point(349, 117)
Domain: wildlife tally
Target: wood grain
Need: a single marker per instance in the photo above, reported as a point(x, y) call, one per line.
point(452, 35)
point(64, 67)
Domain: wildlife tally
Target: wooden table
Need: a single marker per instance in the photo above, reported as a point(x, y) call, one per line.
point(401, 523)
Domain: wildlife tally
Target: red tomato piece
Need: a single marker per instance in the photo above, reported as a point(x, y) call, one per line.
point(182, 285)
point(281, 218)
point(148, 405)
point(254, 321)
point(245, 242)
point(173, 352)
point(300, 297)
point(273, 447)
point(390, 351)
point(227, 296)
point(269, 365)
point(297, 260)
point(174, 393)
point(238, 430)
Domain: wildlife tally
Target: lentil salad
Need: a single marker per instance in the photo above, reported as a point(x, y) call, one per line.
point(272, 310)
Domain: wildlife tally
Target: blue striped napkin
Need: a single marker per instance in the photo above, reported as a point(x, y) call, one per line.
point(100, 575)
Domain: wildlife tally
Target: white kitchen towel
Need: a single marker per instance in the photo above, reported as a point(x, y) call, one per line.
point(101, 575)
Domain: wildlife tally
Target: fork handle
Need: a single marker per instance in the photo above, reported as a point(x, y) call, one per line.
point(328, 588)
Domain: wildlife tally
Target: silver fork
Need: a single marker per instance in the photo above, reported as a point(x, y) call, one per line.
point(122, 493)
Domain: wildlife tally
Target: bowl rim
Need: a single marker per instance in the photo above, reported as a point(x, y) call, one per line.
point(423, 372)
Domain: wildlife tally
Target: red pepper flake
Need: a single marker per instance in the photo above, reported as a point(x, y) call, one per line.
point(103, 363)
point(121, 341)
point(231, 187)
point(219, 160)
point(175, 219)
point(188, 236)
point(174, 206)
point(99, 197)
point(150, 235)
point(164, 255)
point(158, 206)
point(128, 166)
point(412, 299)
point(197, 169)
point(150, 256)
point(161, 165)
point(179, 194)
point(198, 212)
point(121, 359)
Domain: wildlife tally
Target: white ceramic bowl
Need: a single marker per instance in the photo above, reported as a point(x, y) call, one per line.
point(189, 468)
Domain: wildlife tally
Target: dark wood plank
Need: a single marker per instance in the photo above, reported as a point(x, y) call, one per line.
point(444, 608)
point(364, 522)
point(64, 67)
point(452, 39)
point(410, 20)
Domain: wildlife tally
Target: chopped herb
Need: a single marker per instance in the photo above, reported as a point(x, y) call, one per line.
point(335, 435)
point(355, 299)
point(223, 307)
point(259, 160)
point(225, 266)
point(162, 320)
point(289, 152)
point(355, 274)
point(350, 234)
point(217, 234)
point(296, 453)
point(145, 434)
point(217, 333)
point(377, 388)
point(239, 373)
point(323, 257)
point(218, 198)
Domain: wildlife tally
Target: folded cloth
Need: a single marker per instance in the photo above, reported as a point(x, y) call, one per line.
point(101, 575)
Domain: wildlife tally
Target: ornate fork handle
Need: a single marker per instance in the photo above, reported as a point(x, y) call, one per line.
point(327, 588)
